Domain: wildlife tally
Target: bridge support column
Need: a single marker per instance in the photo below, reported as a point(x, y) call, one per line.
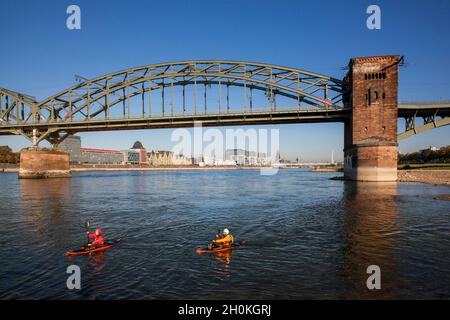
point(37, 163)
point(370, 146)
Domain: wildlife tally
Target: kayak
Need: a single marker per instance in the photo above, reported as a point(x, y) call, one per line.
point(217, 249)
point(90, 249)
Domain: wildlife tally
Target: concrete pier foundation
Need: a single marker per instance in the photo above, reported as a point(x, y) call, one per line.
point(375, 161)
point(36, 163)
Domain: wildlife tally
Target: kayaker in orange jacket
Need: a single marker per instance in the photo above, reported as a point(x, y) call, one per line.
point(225, 239)
point(99, 240)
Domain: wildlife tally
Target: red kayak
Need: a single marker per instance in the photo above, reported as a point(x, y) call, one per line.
point(217, 249)
point(90, 249)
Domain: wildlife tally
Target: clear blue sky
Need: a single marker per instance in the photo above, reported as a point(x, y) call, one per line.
point(40, 56)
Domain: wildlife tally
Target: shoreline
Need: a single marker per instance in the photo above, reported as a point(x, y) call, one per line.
point(434, 177)
point(89, 169)
point(77, 169)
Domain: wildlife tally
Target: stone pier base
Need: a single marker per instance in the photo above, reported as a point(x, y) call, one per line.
point(38, 163)
point(371, 162)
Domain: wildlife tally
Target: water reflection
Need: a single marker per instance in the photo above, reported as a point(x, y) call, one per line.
point(46, 207)
point(97, 262)
point(223, 260)
point(370, 229)
point(308, 236)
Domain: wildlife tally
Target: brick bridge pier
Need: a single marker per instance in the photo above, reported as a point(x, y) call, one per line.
point(370, 136)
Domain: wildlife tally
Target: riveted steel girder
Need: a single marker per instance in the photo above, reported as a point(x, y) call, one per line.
point(423, 117)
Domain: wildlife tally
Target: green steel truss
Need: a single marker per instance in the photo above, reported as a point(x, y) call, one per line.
point(421, 116)
point(93, 104)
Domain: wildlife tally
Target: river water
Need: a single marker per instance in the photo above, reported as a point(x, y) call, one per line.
point(306, 236)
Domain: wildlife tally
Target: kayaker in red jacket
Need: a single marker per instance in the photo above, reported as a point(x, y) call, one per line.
point(99, 240)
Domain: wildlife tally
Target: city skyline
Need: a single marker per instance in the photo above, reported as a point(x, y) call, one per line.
point(68, 145)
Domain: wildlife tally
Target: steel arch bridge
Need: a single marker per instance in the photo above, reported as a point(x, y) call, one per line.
point(177, 94)
point(144, 97)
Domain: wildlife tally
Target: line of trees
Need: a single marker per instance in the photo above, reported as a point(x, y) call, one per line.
point(8, 156)
point(441, 155)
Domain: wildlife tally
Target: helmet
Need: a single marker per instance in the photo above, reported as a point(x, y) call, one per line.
point(98, 231)
point(226, 231)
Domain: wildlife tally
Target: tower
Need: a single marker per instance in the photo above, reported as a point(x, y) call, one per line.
point(370, 135)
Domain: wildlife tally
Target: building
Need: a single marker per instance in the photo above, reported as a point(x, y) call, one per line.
point(138, 147)
point(101, 156)
point(72, 145)
point(246, 158)
point(136, 155)
point(242, 157)
point(181, 160)
point(130, 156)
point(236, 155)
point(160, 158)
point(78, 155)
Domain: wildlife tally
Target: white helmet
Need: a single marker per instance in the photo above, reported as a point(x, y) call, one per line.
point(226, 231)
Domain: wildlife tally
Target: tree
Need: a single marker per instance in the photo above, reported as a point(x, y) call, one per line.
point(8, 156)
point(441, 155)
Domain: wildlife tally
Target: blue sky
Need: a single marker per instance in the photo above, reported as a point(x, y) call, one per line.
point(40, 56)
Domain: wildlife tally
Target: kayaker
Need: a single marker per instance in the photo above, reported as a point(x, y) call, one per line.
point(99, 240)
point(225, 239)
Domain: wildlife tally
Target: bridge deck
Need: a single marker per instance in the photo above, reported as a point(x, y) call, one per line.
point(215, 119)
point(177, 121)
point(423, 110)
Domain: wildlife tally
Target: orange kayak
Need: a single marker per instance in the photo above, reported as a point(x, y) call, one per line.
point(88, 249)
point(217, 249)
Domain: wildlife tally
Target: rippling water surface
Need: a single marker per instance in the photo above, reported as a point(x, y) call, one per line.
point(306, 236)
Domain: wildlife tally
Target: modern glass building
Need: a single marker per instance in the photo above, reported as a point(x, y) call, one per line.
point(131, 156)
point(78, 155)
point(101, 156)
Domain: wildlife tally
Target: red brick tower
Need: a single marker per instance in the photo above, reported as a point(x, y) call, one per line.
point(370, 138)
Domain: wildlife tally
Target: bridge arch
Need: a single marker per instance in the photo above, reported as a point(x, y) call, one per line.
point(309, 88)
point(97, 98)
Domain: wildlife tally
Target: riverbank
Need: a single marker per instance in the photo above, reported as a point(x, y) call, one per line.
point(425, 166)
point(434, 176)
point(327, 169)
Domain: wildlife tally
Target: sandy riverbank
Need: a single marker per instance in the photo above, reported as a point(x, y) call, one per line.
point(425, 176)
point(9, 170)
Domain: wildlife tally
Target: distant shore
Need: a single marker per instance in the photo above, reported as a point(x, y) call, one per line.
point(327, 169)
point(133, 168)
point(168, 168)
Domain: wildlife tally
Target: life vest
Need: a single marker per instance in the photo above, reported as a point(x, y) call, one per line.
point(227, 240)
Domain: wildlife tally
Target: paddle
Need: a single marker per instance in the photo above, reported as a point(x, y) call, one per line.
point(86, 226)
